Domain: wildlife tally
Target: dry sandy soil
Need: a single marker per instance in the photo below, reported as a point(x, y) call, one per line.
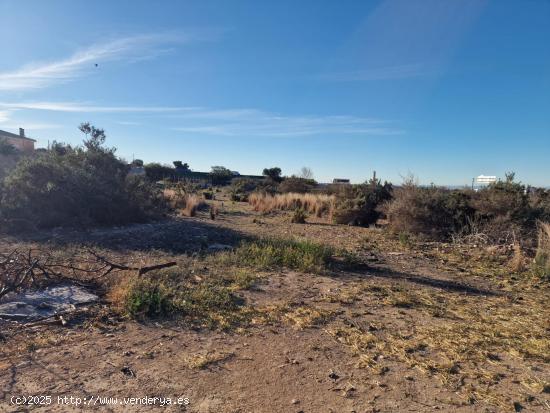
point(415, 328)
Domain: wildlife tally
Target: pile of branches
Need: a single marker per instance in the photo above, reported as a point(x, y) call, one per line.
point(25, 269)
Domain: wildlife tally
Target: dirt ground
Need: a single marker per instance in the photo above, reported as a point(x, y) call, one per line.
point(419, 327)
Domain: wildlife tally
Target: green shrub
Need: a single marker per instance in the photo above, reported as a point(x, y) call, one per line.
point(360, 204)
point(506, 210)
point(220, 175)
point(7, 164)
point(76, 186)
point(502, 212)
point(272, 253)
point(241, 188)
point(157, 172)
point(405, 239)
point(431, 211)
point(299, 216)
point(298, 185)
point(169, 293)
point(148, 298)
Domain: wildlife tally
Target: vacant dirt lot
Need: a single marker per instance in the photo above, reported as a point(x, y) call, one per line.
point(411, 327)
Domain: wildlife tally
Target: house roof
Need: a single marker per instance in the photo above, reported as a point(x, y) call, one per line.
point(4, 134)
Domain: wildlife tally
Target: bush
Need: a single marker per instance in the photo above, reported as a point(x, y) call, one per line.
point(272, 253)
point(506, 210)
point(360, 204)
point(297, 185)
point(273, 174)
point(299, 216)
point(220, 175)
point(503, 212)
point(241, 188)
point(432, 211)
point(148, 298)
point(7, 164)
point(76, 186)
point(157, 172)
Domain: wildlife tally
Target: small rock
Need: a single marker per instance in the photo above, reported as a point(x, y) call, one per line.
point(294, 401)
point(128, 371)
point(333, 375)
point(455, 369)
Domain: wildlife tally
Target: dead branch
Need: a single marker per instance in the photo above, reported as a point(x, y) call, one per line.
point(19, 270)
point(140, 270)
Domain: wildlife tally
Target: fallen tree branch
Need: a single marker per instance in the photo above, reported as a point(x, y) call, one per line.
point(19, 270)
point(140, 270)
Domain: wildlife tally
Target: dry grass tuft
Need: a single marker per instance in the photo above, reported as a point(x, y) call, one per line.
point(315, 204)
point(542, 258)
point(517, 263)
point(306, 317)
point(186, 203)
point(192, 204)
point(466, 342)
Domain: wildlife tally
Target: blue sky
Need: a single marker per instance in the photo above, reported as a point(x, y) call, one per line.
point(446, 90)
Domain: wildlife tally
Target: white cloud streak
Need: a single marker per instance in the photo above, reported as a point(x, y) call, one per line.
point(30, 126)
point(134, 48)
point(191, 120)
point(4, 116)
point(85, 108)
point(264, 124)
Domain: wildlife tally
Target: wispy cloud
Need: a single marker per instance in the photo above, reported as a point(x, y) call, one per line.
point(30, 126)
point(230, 122)
point(134, 48)
point(77, 107)
point(4, 116)
point(128, 123)
point(255, 123)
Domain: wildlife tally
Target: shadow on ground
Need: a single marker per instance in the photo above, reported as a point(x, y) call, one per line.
point(363, 271)
point(174, 235)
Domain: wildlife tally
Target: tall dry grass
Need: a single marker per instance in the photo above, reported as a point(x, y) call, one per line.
point(192, 204)
point(316, 204)
point(542, 259)
point(186, 203)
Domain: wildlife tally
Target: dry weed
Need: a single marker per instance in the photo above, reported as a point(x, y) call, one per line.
point(192, 204)
point(315, 204)
point(202, 361)
point(467, 342)
point(542, 258)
